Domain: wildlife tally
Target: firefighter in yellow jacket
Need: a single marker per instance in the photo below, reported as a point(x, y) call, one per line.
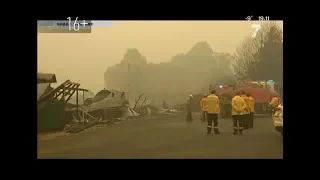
point(275, 101)
point(238, 107)
point(251, 108)
point(204, 108)
point(213, 111)
point(246, 111)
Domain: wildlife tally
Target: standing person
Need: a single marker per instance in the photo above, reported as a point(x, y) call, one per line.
point(143, 112)
point(204, 108)
point(246, 110)
point(210, 88)
point(238, 106)
point(213, 111)
point(251, 108)
point(165, 105)
point(275, 101)
point(188, 107)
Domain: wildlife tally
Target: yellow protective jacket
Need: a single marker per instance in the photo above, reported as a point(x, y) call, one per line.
point(238, 105)
point(252, 104)
point(246, 100)
point(213, 104)
point(275, 101)
point(204, 104)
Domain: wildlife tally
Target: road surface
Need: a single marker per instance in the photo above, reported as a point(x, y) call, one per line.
point(167, 138)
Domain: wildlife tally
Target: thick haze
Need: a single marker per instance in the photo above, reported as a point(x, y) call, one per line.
point(84, 58)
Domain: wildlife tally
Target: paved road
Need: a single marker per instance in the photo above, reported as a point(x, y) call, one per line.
point(166, 138)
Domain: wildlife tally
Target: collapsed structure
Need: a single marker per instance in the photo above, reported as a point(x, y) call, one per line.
point(109, 104)
point(62, 108)
point(52, 101)
point(55, 110)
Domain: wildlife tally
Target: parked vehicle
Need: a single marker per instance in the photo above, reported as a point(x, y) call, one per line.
point(261, 91)
point(278, 119)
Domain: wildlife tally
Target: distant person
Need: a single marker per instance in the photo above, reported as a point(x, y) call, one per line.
point(165, 105)
point(204, 107)
point(275, 101)
point(238, 107)
point(143, 112)
point(246, 110)
point(210, 89)
point(188, 109)
point(251, 108)
point(213, 112)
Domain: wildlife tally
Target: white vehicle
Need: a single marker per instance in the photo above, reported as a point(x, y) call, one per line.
point(278, 119)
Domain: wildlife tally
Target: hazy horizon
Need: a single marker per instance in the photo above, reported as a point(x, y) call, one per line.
point(84, 58)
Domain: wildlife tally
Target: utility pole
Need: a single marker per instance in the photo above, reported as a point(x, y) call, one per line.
point(128, 79)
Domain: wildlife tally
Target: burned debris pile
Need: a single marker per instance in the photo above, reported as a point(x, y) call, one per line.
point(63, 108)
point(52, 102)
point(107, 107)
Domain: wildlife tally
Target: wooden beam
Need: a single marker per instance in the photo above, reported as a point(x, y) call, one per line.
point(60, 92)
point(80, 89)
point(54, 91)
point(77, 98)
point(64, 94)
point(75, 83)
point(72, 91)
point(137, 101)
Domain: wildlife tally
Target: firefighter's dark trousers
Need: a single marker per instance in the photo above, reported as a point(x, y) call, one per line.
point(212, 118)
point(246, 119)
point(237, 123)
point(189, 114)
point(251, 119)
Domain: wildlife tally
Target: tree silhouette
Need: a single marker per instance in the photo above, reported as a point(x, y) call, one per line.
point(186, 73)
point(260, 58)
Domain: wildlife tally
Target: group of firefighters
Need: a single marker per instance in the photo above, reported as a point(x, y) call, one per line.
point(242, 111)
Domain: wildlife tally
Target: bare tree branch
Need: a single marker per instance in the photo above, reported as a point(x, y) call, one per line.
point(249, 53)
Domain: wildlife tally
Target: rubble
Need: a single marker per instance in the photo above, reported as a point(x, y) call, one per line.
point(52, 102)
point(107, 107)
point(167, 111)
point(77, 127)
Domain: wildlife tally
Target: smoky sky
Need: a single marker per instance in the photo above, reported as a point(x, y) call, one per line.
point(84, 58)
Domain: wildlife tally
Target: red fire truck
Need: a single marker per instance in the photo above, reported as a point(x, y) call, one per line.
point(261, 91)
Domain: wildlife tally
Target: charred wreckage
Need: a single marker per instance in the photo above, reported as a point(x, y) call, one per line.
point(57, 109)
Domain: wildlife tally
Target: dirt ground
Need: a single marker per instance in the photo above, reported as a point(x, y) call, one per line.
point(165, 138)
